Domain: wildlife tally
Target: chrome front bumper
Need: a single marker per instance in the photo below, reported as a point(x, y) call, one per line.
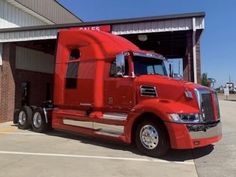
point(205, 130)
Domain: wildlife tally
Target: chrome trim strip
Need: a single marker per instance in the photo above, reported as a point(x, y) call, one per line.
point(100, 128)
point(203, 90)
point(109, 129)
point(84, 124)
point(209, 133)
point(85, 104)
point(198, 98)
point(115, 116)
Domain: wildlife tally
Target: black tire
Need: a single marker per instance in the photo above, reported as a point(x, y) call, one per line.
point(155, 145)
point(33, 108)
point(16, 116)
point(39, 123)
point(24, 117)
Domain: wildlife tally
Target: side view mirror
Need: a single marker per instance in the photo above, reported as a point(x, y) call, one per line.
point(120, 65)
point(119, 71)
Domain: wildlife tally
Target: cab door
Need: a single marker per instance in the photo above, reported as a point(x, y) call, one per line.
point(119, 89)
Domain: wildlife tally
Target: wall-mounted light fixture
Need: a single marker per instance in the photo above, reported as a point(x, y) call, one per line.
point(142, 37)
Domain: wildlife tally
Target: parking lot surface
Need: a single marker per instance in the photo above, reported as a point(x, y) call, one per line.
point(220, 160)
point(27, 154)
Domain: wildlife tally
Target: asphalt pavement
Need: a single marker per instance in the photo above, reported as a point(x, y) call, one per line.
point(24, 153)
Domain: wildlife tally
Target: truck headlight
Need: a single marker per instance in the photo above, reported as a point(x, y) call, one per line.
point(186, 118)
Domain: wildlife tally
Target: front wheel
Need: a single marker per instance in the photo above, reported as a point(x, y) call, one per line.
point(39, 123)
point(152, 139)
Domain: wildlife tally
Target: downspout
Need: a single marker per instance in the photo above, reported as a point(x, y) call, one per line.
point(194, 50)
point(0, 54)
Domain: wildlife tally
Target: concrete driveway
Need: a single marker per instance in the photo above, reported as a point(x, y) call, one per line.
point(221, 161)
point(27, 154)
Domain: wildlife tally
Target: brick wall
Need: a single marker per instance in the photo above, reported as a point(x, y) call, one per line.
point(188, 59)
point(10, 84)
point(7, 84)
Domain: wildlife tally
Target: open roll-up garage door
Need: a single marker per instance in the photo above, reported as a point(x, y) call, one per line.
point(33, 76)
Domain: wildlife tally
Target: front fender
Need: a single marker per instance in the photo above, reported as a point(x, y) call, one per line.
point(160, 108)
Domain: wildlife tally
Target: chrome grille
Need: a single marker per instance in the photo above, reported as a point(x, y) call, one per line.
point(206, 105)
point(148, 91)
point(217, 105)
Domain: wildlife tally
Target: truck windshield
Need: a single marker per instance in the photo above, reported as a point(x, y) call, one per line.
point(147, 65)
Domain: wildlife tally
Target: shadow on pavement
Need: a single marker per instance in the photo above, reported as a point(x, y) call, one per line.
point(188, 154)
point(173, 155)
point(230, 100)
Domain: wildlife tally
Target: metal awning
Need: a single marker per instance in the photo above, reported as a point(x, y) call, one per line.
point(157, 24)
point(169, 25)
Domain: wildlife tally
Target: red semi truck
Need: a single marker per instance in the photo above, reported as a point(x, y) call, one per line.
point(105, 86)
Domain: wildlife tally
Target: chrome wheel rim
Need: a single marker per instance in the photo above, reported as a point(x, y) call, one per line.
point(37, 120)
point(22, 118)
point(149, 137)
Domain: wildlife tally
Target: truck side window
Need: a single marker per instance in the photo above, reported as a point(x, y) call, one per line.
point(74, 54)
point(72, 69)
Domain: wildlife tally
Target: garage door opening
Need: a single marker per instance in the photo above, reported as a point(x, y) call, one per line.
point(34, 68)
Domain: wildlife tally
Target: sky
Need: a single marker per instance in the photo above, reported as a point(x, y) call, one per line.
point(218, 41)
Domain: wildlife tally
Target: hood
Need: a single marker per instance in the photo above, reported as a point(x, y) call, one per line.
point(167, 88)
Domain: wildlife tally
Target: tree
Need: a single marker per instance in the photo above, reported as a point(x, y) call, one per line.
point(205, 79)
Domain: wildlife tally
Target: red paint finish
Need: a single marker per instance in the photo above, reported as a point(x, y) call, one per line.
point(96, 48)
point(181, 139)
point(97, 93)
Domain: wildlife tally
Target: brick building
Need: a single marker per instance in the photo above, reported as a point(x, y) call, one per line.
point(28, 32)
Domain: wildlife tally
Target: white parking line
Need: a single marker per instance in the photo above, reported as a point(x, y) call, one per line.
point(96, 157)
point(21, 133)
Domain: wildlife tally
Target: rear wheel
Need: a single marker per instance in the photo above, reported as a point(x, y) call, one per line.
point(24, 117)
point(16, 117)
point(152, 139)
point(39, 121)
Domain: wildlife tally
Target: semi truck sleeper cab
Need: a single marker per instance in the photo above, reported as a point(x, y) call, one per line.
point(105, 86)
